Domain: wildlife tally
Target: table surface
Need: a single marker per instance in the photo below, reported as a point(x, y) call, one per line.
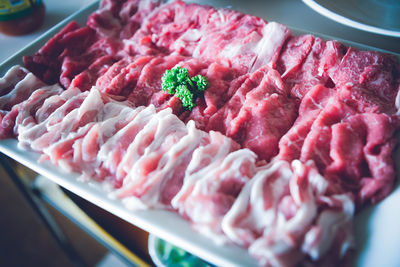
point(293, 13)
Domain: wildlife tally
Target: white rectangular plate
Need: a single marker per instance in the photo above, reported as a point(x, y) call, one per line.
point(377, 228)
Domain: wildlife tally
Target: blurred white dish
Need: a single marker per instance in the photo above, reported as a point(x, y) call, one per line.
point(377, 16)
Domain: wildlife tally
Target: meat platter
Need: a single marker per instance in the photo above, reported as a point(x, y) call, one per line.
point(374, 225)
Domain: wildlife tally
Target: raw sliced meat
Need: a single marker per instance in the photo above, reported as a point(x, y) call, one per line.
point(368, 81)
point(311, 105)
point(161, 180)
point(22, 87)
point(68, 104)
point(13, 76)
point(24, 94)
point(258, 115)
point(114, 150)
point(308, 61)
point(145, 151)
point(212, 181)
point(286, 212)
point(86, 112)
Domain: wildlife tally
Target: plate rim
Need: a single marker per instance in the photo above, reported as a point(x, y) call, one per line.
point(316, 6)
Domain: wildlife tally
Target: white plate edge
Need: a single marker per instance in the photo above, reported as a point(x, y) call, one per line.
point(348, 22)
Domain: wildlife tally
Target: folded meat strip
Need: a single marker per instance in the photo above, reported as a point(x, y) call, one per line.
point(16, 85)
point(213, 179)
point(26, 110)
point(23, 94)
point(13, 76)
point(54, 102)
point(155, 138)
point(78, 150)
point(63, 107)
point(55, 130)
point(285, 207)
point(158, 175)
point(209, 155)
point(117, 117)
point(116, 152)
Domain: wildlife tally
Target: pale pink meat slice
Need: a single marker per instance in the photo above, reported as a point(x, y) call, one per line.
point(286, 206)
point(157, 177)
point(115, 149)
point(155, 138)
point(213, 180)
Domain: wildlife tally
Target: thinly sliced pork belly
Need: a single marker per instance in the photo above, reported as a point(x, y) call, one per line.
point(20, 91)
point(154, 182)
point(54, 102)
point(207, 156)
point(144, 153)
point(209, 192)
point(29, 136)
point(114, 153)
point(255, 207)
point(117, 117)
point(61, 151)
point(21, 95)
point(20, 118)
point(77, 151)
point(25, 118)
point(88, 111)
point(13, 76)
point(286, 207)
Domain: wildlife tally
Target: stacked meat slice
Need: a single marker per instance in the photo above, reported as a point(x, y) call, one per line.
point(293, 135)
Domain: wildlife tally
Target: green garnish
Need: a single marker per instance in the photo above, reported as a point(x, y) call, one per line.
point(201, 82)
point(177, 81)
point(171, 255)
point(186, 97)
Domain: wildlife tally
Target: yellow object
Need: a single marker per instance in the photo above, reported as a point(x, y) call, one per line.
point(19, 17)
